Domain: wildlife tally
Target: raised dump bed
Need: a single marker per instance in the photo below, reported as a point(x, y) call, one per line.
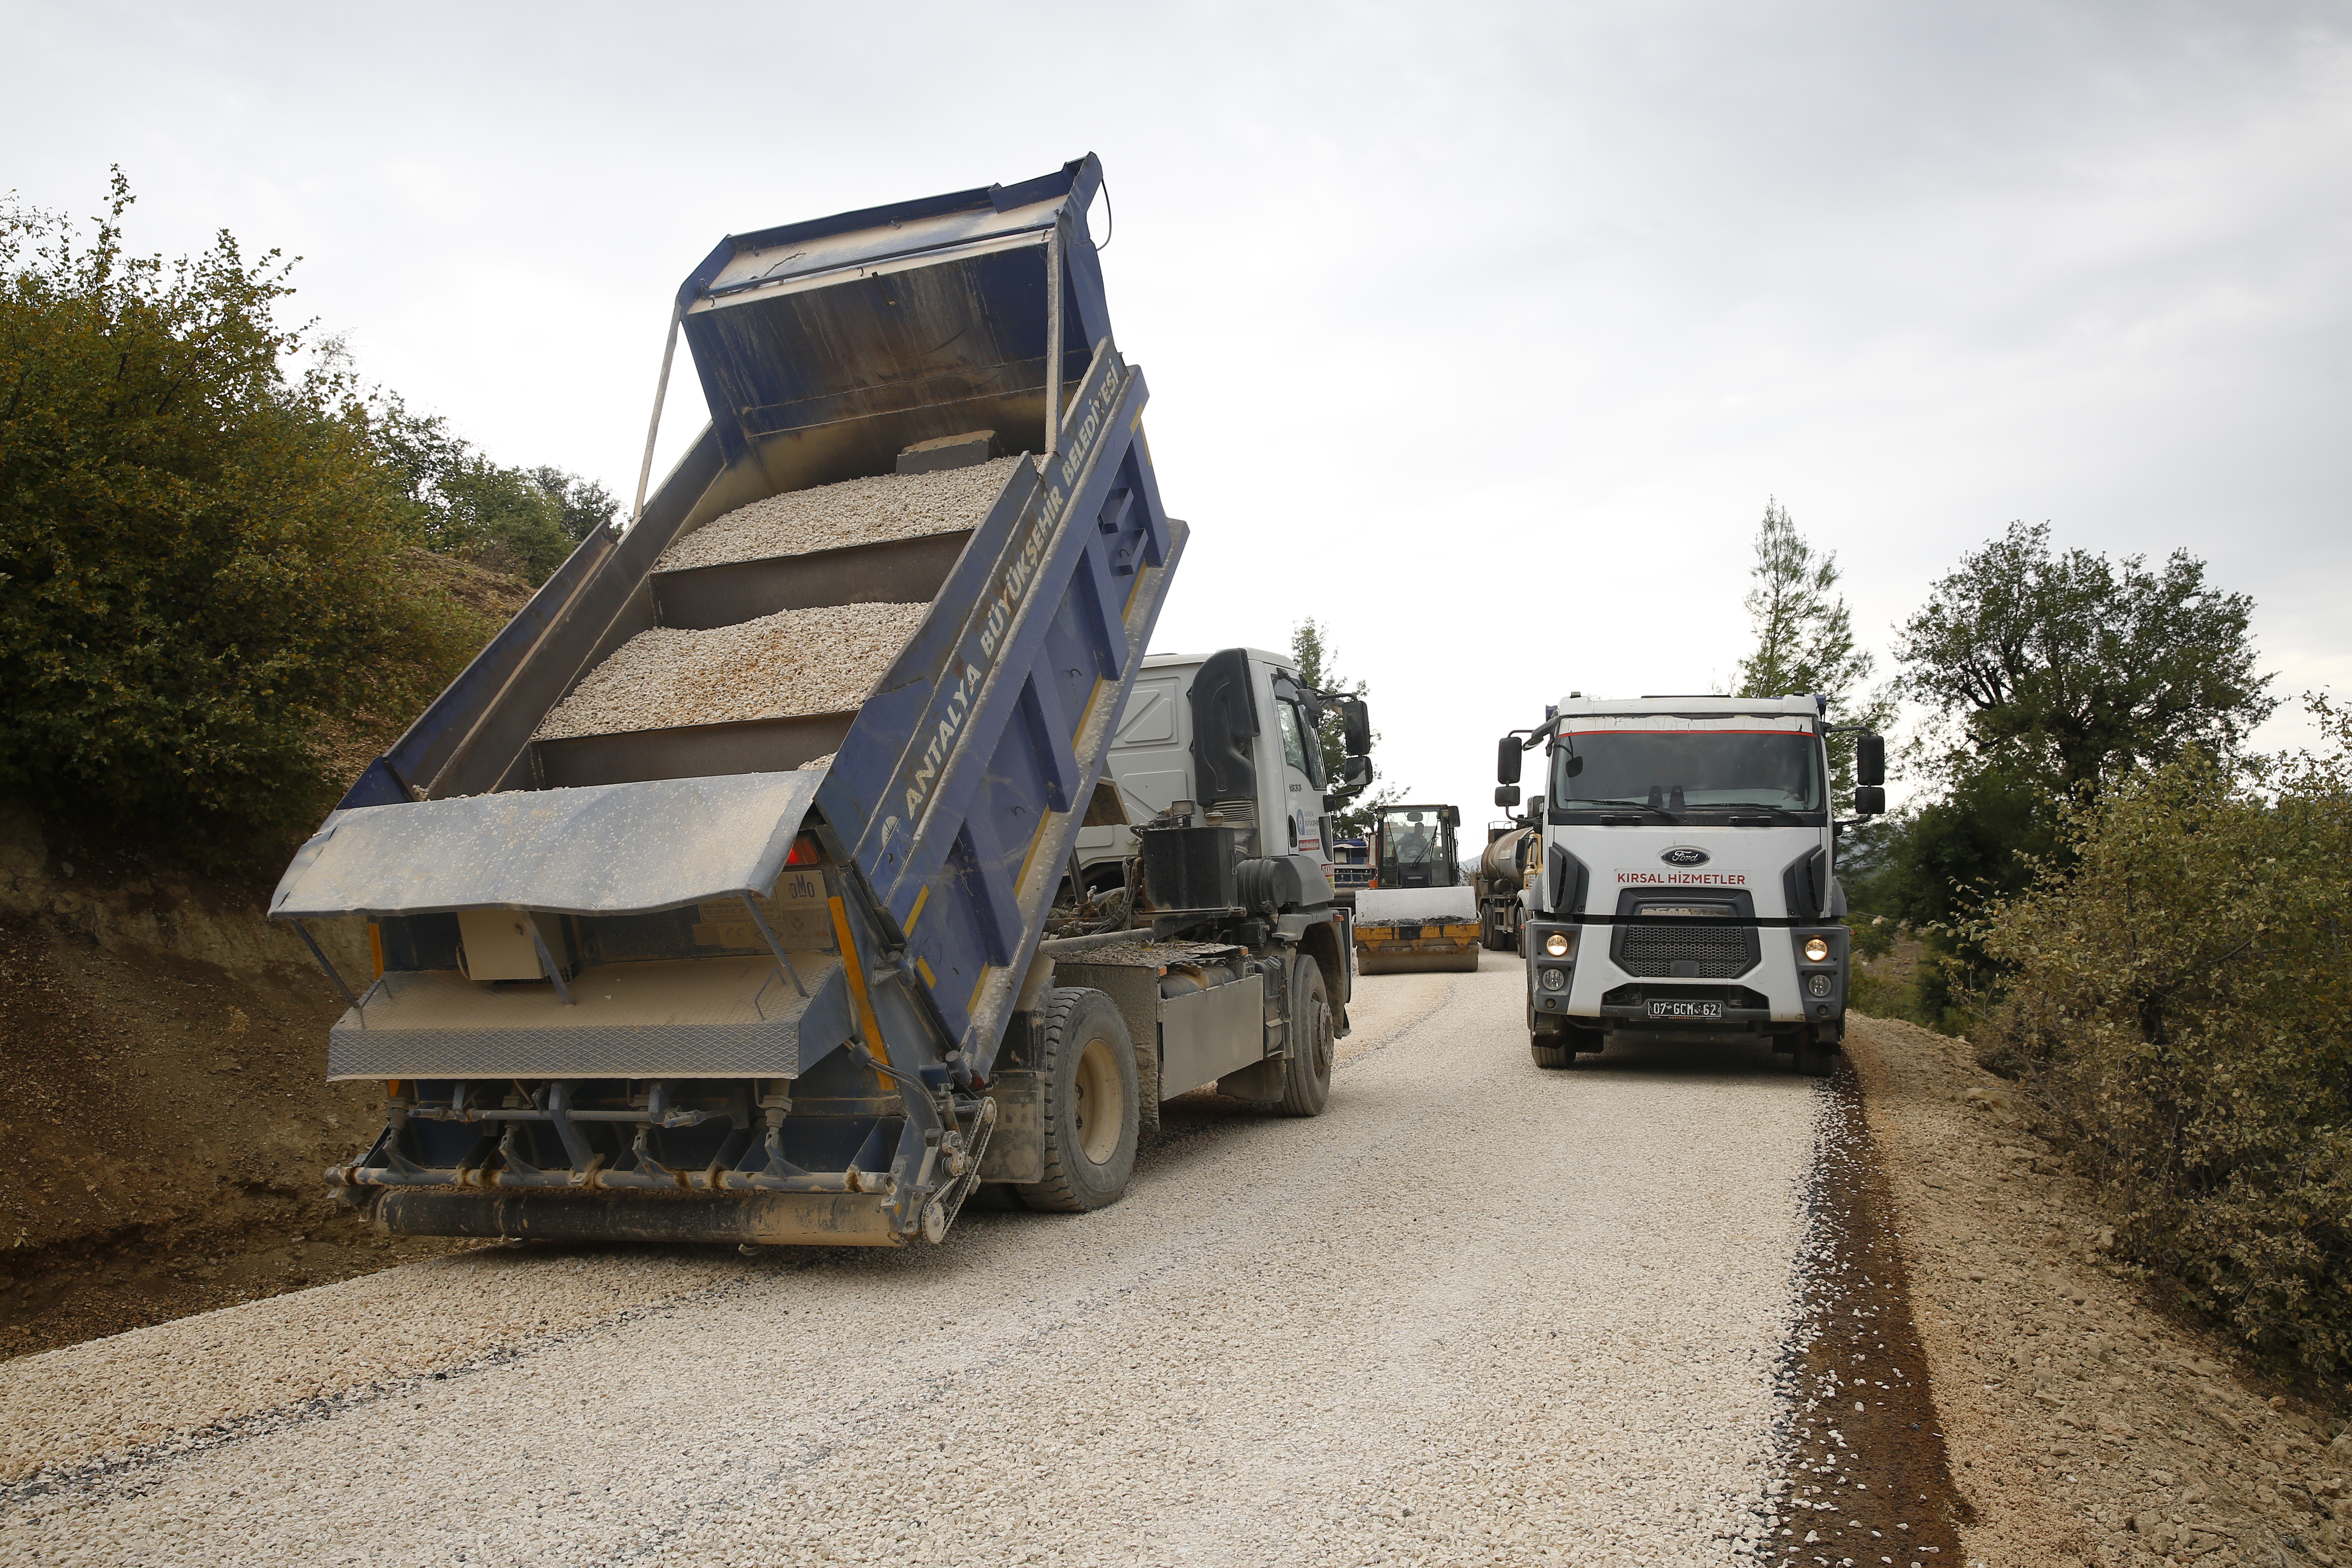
point(704, 897)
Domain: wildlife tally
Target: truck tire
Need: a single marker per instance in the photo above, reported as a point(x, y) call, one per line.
point(1548, 1042)
point(1307, 1076)
point(1092, 1111)
point(1813, 1058)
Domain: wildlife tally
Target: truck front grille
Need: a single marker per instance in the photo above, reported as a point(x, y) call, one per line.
point(1696, 953)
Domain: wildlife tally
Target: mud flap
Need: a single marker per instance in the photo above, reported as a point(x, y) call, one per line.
point(1016, 1152)
point(1260, 1081)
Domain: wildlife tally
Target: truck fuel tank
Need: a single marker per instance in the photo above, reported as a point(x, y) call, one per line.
point(1500, 864)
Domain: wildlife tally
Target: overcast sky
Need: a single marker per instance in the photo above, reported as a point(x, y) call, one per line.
point(1481, 332)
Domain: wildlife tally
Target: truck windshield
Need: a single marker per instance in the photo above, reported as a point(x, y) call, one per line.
point(1689, 769)
point(1411, 839)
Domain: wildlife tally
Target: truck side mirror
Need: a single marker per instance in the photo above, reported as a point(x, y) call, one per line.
point(1355, 726)
point(1357, 772)
point(1870, 761)
point(1507, 795)
point(1506, 761)
point(1869, 800)
point(1571, 765)
point(1451, 815)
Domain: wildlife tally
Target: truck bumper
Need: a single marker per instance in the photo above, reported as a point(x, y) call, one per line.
point(1778, 996)
point(760, 1219)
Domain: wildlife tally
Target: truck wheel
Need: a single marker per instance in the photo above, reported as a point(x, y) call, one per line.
point(1307, 1076)
point(1091, 1110)
point(1548, 1041)
point(1813, 1058)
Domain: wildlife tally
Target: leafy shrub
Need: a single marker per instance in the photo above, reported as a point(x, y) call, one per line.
point(203, 563)
point(1880, 995)
point(2181, 1000)
point(521, 522)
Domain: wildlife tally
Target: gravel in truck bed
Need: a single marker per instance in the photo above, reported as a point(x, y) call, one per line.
point(854, 511)
point(821, 660)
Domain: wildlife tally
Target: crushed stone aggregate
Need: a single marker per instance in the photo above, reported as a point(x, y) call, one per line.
point(794, 662)
point(1475, 1313)
point(854, 511)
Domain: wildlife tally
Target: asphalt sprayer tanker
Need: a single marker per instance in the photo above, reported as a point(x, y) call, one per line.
point(705, 904)
point(1680, 872)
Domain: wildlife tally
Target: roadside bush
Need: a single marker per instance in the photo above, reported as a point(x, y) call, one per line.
point(2180, 999)
point(1880, 995)
point(524, 523)
point(205, 564)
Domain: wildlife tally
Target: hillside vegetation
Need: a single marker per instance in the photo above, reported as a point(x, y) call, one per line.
point(215, 584)
point(2178, 993)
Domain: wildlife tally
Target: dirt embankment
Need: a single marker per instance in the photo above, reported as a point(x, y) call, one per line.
point(164, 1125)
point(2087, 1423)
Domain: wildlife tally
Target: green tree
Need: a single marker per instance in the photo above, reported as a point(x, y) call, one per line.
point(522, 522)
point(2047, 679)
point(2073, 668)
point(1930, 868)
point(1804, 635)
point(585, 505)
point(1310, 649)
point(202, 559)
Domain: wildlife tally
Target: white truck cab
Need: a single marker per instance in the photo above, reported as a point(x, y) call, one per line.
point(1681, 875)
point(1233, 734)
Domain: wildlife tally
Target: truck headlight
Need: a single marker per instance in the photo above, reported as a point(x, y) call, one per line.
point(1553, 979)
point(1819, 984)
point(1559, 944)
point(1817, 951)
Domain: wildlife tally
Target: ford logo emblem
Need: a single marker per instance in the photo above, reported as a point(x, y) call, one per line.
point(1686, 855)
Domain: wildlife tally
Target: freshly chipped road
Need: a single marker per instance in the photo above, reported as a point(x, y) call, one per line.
point(1475, 1313)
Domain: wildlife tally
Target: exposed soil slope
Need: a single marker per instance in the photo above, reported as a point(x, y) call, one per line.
point(166, 1119)
point(163, 1123)
point(2086, 1423)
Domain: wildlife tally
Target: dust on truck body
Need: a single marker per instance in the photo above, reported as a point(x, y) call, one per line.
point(1680, 880)
point(780, 980)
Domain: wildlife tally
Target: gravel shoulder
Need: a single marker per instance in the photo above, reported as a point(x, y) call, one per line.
point(2086, 1423)
point(1474, 1314)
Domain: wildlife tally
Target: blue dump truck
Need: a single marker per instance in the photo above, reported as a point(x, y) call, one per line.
point(778, 974)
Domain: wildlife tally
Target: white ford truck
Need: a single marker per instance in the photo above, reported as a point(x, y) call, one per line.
point(1681, 874)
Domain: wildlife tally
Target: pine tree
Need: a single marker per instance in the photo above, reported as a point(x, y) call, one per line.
point(1310, 649)
point(1804, 635)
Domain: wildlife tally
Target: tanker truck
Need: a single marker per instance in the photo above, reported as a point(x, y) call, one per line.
point(1681, 869)
point(1501, 875)
point(706, 903)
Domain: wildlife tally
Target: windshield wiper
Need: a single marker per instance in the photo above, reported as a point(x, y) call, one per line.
point(1612, 804)
point(1780, 812)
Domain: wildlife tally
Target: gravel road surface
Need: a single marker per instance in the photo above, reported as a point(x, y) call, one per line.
point(1475, 1313)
